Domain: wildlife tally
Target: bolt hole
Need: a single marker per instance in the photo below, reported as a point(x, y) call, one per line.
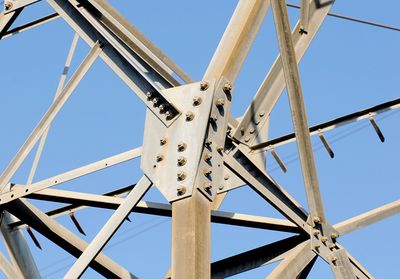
point(26, 190)
point(12, 196)
point(154, 166)
point(106, 164)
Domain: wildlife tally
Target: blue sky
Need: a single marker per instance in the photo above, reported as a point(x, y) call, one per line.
point(348, 67)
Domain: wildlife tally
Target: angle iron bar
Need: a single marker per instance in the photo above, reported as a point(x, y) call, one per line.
point(64, 238)
point(7, 268)
point(6, 20)
point(333, 124)
point(254, 258)
point(368, 218)
point(298, 111)
point(49, 116)
point(274, 82)
point(69, 175)
point(59, 89)
point(109, 229)
point(137, 74)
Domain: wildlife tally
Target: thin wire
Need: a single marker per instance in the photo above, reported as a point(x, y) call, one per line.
point(358, 20)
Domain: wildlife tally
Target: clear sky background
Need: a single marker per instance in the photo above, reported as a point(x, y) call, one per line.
point(348, 67)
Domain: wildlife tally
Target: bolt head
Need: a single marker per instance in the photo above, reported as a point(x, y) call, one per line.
point(197, 100)
point(252, 131)
point(181, 175)
point(324, 239)
point(220, 149)
point(207, 171)
point(162, 107)
point(213, 117)
point(181, 146)
point(247, 139)
point(226, 177)
point(207, 157)
point(334, 259)
point(169, 114)
point(163, 141)
point(262, 113)
point(334, 235)
point(227, 87)
point(181, 190)
point(220, 102)
point(316, 232)
point(332, 246)
point(8, 6)
point(221, 187)
point(316, 246)
point(189, 116)
point(316, 220)
point(159, 158)
point(181, 161)
point(156, 101)
point(149, 95)
point(203, 85)
point(207, 186)
point(208, 142)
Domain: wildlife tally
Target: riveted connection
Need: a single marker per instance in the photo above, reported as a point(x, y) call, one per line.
point(227, 88)
point(197, 100)
point(189, 116)
point(207, 171)
point(220, 102)
point(163, 141)
point(207, 186)
point(181, 175)
point(181, 190)
point(181, 146)
point(203, 85)
point(159, 158)
point(181, 161)
point(207, 157)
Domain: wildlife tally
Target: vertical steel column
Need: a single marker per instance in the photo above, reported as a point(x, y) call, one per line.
point(18, 248)
point(298, 110)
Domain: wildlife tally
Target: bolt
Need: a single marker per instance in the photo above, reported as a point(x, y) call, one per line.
point(207, 186)
point(242, 130)
point(220, 102)
point(207, 171)
point(331, 246)
point(316, 246)
point(197, 100)
point(181, 161)
point(181, 175)
point(252, 131)
point(220, 149)
point(221, 187)
point(207, 157)
point(162, 107)
point(316, 232)
point(226, 177)
point(149, 95)
point(262, 113)
point(208, 142)
point(227, 87)
point(324, 239)
point(334, 236)
point(181, 190)
point(257, 122)
point(155, 101)
point(181, 146)
point(246, 139)
point(159, 158)
point(189, 116)
point(163, 141)
point(213, 117)
point(203, 85)
point(169, 114)
point(316, 220)
point(8, 6)
point(334, 259)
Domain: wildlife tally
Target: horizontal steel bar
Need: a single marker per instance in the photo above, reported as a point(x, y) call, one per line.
point(70, 175)
point(368, 218)
point(332, 124)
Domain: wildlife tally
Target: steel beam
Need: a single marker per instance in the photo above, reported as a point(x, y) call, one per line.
point(237, 39)
point(297, 107)
point(64, 238)
point(368, 218)
point(70, 175)
point(332, 124)
point(6, 20)
point(191, 237)
point(109, 228)
point(49, 116)
point(254, 258)
point(272, 86)
point(58, 92)
point(294, 263)
point(7, 268)
point(20, 254)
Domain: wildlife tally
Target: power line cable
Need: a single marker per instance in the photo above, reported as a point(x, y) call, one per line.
point(354, 19)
